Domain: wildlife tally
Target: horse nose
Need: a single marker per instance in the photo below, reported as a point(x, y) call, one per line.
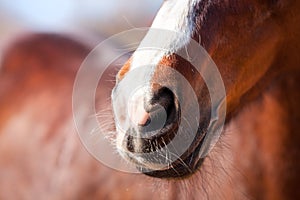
point(162, 102)
point(154, 119)
point(152, 114)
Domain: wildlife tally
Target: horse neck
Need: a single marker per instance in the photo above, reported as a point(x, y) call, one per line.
point(267, 127)
point(285, 66)
point(266, 133)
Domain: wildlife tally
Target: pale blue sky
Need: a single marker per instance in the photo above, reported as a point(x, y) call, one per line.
point(53, 14)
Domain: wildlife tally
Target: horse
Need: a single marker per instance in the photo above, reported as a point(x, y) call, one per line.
point(254, 44)
point(256, 156)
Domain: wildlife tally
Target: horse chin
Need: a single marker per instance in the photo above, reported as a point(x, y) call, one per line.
point(174, 171)
point(183, 167)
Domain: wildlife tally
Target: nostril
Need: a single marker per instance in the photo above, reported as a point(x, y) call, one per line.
point(161, 110)
point(154, 122)
point(152, 115)
point(165, 98)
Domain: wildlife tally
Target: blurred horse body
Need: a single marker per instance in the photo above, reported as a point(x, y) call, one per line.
point(41, 156)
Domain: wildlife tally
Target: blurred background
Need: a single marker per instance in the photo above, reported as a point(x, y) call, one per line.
point(90, 18)
point(94, 15)
point(42, 44)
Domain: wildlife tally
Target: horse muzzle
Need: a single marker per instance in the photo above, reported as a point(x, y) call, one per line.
point(157, 129)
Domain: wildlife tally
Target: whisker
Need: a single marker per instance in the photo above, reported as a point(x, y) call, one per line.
point(128, 22)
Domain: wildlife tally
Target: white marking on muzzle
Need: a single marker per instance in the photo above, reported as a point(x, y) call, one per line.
point(136, 111)
point(174, 16)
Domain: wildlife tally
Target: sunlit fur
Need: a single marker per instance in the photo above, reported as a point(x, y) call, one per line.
point(254, 45)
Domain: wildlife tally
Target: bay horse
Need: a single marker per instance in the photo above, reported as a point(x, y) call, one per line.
point(257, 156)
point(255, 46)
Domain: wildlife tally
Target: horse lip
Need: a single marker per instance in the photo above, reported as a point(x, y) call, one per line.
point(162, 137)
point(184, 166)
point(177, 169)
point(139, 161)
